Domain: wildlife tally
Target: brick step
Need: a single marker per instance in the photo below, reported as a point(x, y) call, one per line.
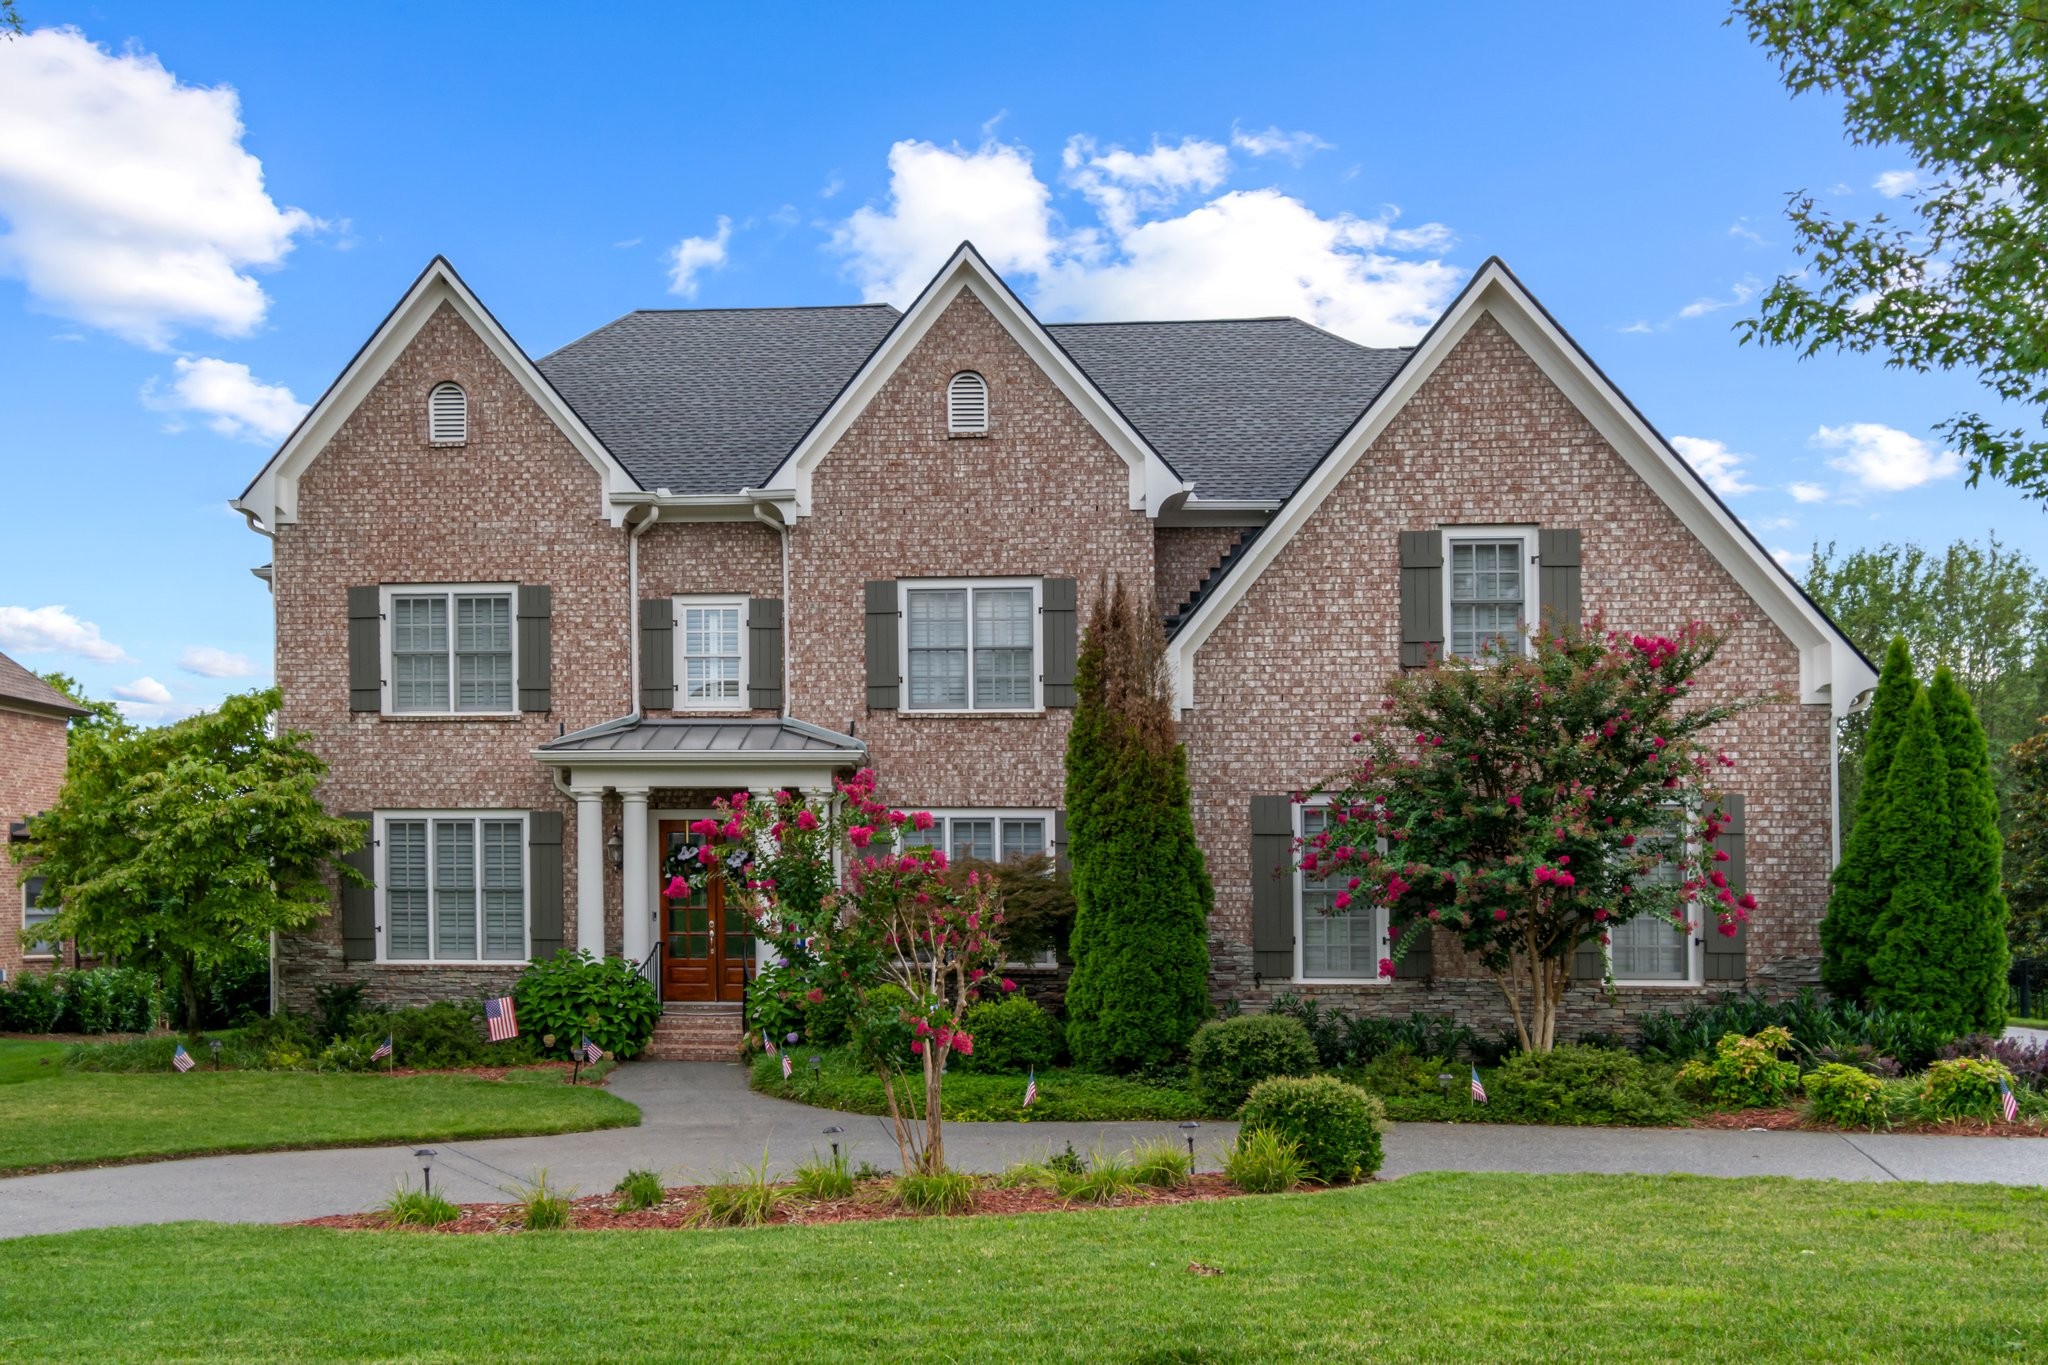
point(697, 1031)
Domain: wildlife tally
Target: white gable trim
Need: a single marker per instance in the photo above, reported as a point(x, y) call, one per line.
point(1830, 668)
point(273, 497)
point(1153, 483)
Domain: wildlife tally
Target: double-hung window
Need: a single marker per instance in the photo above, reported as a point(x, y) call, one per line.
point(35, 914)
point(1488, 587)
point(971, 646)
point(1649, 949)
point(454, 887)
point(711, 660)
point(450, 649)
point(987, 836)
point(1336, 945)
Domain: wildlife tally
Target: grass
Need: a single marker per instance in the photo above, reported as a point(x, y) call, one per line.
point(639, 1190)
point(944, 1192)
point(544, 1207)
point(52, 1116)
point(744, 1199)
point(1430, 1267)
point(411, 1208)
point(2026, 1023)
point(842, 1083)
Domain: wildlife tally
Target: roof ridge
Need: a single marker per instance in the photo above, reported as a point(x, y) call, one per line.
point(767, 308)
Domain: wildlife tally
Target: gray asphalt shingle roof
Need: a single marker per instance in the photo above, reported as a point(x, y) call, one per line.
point(711, 400)
point(20, 686)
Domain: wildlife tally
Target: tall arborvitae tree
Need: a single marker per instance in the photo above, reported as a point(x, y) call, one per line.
point(1979, 958)
point(1860, 882)
point(2026, 851)
point(1920, 927)
point(1142, 894)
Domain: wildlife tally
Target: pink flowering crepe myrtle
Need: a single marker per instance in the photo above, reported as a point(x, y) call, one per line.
point(1526, 803)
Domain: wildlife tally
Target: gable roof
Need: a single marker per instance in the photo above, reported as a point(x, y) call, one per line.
point(1832, 669)
point(22, 689)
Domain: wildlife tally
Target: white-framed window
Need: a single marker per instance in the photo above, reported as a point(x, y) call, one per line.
point(35, 914)
point(711, 653)
point(1333, 945)
point(1489, 587)
point(449, 649)
point(967, 404)
point(1649, 950)
point(971, 644)
point(453, 886)
point(447, 414)
point(992, 836)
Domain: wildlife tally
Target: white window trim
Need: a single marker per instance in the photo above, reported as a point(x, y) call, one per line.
point(1695, 956)
point(388, 591)
point(1378, 913)
point(681, 666)
point(1532, 606)
point(997, 814)
point(382, 818)
point(28, 947)
point(906, 586)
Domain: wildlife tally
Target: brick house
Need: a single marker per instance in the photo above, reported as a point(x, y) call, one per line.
point(536, 614)
point(34, 717)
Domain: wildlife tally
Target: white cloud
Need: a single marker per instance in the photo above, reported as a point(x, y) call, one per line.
point(1892, 184)
point(1791, 559)
point(1807, 492)
point(54, 630)
point(130, 202)
point(1242, 252)
point(1716, 463)
point(144, 689)
point(1775, 523)
point(233, 401)
point(1295, 146)
point(1741, 228)
point(693, 256)
point(1638, 326)
point(209, 662)
point(1742, 292)
point(1884, 458)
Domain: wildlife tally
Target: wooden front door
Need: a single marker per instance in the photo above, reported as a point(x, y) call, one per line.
point(707, 949)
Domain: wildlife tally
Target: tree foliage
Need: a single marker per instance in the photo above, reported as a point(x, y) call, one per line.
point(1979, 956)
point(1142, 893)
point(180, 846)
point(2026, 847)
point(102, 717)
point(1860, 885)
point(1961, 89)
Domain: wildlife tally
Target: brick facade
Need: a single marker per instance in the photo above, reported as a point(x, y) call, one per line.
point(31, 775)
point(1185, 554)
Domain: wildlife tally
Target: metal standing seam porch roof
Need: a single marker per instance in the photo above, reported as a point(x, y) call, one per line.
point(701, 752)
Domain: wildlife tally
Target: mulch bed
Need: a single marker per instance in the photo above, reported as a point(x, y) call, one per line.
point(871, 1200)
point(1786, 1120)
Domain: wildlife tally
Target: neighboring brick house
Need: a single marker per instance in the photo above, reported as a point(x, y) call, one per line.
point(537, 614)
point(34, 718)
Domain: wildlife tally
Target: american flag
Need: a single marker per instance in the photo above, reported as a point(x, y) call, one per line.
point(499, 1017)
point(1478, 1090)
point(1031, 1088)
point(383, 1050)
point(592, 1053)
point(786, 1067)
point(182, 1059)
point(767, 1043)
point(2006, 1102)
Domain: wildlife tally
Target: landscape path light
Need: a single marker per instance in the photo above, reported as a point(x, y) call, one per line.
point(1443, 1079)
point(426, 1157)
point(1189, 1128)
point(832, 1132)
point(214, 1043)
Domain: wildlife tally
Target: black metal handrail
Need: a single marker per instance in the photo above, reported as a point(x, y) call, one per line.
point(653, 952)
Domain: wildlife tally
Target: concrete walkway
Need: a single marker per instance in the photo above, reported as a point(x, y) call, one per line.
point(700, 1122)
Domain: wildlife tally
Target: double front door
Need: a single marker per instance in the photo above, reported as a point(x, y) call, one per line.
point(707, 947)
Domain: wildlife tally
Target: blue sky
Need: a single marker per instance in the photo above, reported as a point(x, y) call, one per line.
point(204, 210)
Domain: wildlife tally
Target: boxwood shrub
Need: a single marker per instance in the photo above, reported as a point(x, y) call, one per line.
point(1846, 1096)
point(1335, 1126)
point(1230, 1056)
point(1009, 1035)
point(1575, 1084)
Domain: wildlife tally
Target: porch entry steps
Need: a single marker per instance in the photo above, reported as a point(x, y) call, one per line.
point(694, 1031)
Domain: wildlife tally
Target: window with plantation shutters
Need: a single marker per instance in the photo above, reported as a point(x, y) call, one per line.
point(454, 887)
point(448, 415)
point(967, 404)
point(452, 651)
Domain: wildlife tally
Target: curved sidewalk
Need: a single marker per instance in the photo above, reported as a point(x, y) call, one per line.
point(699, 1121)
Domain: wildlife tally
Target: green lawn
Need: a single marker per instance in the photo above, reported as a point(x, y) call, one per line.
point(1431, 1267)
point(841, 1082)
point(51, 1116)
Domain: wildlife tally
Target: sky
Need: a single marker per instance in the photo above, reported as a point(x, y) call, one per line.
point(206, 208)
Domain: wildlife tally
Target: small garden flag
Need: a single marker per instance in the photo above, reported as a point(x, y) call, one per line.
point(499, 1017)
point(767, 1043)
point(1478, 1090)
point(591, 1051)
point(1031, 1088)
point(383, 1050)
point(182, 1059)
point(2006, 1102)
point(786, 1067)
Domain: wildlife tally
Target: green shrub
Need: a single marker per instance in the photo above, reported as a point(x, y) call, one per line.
point(1161, 1163)
point(880, 1031)
point(1821, 1028)
point(945, 1192)
point(1746, 1073)
point(639, 1190)
point(1012, 1035)
point(1334, 1126)
point(109, 1000)
point(845, 1083)
point(410, 1208)
point(1589, 1085)
point(828, 1021)
point(575, 995)
point(745, 1199)
point(336, 1005)
point(1230, 1056)
point(1263, 1162)
point(442, 1035)
point(824, 1177)
point(1963, 1088)
point(543, 1207)
point(1845, 1096)
point(1400, 1074)
point(32, 1004)
point(1106, 1180)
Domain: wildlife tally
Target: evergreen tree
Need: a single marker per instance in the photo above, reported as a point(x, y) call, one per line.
point(1142, 894)
point(1920, 928)
point(2026, 852)
point(1860, 882)
point(1979, 959)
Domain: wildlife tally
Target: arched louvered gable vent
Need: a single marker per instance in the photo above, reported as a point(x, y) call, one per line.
point(448, 415)
point(967, 404)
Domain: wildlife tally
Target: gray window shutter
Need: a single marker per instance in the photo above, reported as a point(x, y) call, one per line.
point(1422, 597)
point(1273, 887)
point(764, 653)
point(1726, 957)
point(883, 679)
point(359, 903)
point(1059, 842)
point(536, 647)
point(657, 654)
point(1557, 578)
point(1418, 963)
point(365, 643)
point(1589, 961)
point(544, 886)
point(1060, 637)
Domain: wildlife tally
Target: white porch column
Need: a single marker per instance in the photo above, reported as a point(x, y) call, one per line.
point(589, 869)
point(639, 875)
